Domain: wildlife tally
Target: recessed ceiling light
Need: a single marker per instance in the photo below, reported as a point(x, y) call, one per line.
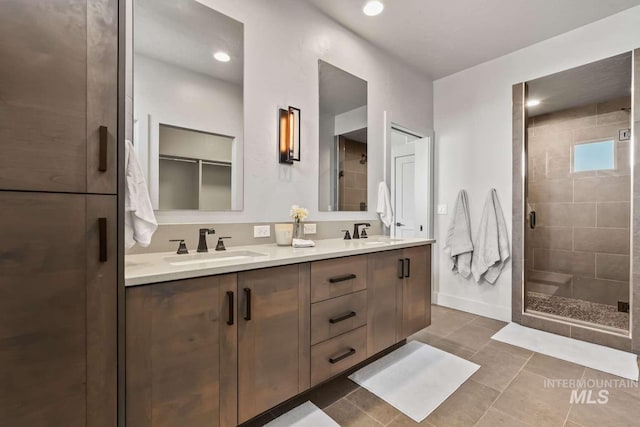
point(222, 56)
point(533, 102)
point(373, 8)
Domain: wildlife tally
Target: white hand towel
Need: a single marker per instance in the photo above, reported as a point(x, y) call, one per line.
point(384, 205)
point(458, 244)
point(492, 242)
point(302, 243)
point(139, 219)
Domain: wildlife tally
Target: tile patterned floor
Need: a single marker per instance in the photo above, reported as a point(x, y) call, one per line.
point(586, 311)
point(508, 390)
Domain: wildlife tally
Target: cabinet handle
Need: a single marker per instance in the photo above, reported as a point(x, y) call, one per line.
point(230, 295)
point(408, 272)
point(102, 159)
point(336, 359)
point(400, 268)
point(102, 238)
point(343, 317)
point(532, 220)
point(342, 278)
point(247, 293)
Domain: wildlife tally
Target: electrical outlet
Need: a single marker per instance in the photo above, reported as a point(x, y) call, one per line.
point(624, 134)
point(442, 209)
point(309, 229)
point(261, 231)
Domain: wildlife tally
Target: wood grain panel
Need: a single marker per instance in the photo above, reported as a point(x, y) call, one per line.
point(416, 293)
point(269, 345)
point(182, 333)
point(42, 310)
point(102, 92)
point(323, 271)
point(384, 302)
point(321, 313)
point(321, 367)
point(101, 314)
point(43, 92)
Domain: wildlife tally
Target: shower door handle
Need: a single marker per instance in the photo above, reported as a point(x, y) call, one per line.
point(532, 219)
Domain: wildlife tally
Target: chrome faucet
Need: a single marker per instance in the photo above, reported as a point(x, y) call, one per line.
point(202, 242)
point(356, 231)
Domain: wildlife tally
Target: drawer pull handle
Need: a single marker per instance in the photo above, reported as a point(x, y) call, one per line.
point(343, 356)
point(343, 317)
point(408, 272)
point(230, 295)
point(400, 268)
point(342, 278)
point(102, 149)
point(247, 293)
point(102, 238)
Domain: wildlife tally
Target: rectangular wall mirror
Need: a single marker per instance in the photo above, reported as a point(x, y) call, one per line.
point(188, 104)
point(342, 140)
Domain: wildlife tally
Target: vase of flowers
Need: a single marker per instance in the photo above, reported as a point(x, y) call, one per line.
point(298, 214)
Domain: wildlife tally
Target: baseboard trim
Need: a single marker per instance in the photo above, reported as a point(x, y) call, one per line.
point(472, 306)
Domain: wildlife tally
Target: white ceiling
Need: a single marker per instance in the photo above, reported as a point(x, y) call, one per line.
point(339, 91)
point(441, 37)
point(599, 81)
point(187, 34)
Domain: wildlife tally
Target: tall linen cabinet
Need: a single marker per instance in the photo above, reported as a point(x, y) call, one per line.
point(59, 258)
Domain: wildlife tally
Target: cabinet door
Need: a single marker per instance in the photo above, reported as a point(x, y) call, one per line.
point(384, 322)
point(273, 337)
point(58, 86)
point(57, 310)
point(181, 353)
point(416, 293)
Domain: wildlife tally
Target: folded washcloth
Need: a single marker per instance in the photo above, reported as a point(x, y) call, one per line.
point(302, 243)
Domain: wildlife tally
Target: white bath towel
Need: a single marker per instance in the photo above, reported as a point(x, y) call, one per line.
point(302, 243)
point(384, 205)
point(458, 244)
point(139, 219)
point(492, 243)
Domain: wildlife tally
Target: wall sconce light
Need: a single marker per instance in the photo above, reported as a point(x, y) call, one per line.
point(289, 135)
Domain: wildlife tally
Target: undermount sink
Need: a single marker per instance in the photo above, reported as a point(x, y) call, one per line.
point(380, 240)
point(211, 257)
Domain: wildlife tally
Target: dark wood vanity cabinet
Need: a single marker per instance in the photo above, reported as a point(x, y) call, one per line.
point(273, 337)
point(182, 353)
point(220, 350)
point(57, 310)
point(416, 290)
point(399, 296)
point(58, 115)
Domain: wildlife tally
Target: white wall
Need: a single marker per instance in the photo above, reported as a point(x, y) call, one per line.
point(283, 41)
point(473, 132)
point(176, 96)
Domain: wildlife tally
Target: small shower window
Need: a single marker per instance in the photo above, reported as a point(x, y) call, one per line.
point(594, 156)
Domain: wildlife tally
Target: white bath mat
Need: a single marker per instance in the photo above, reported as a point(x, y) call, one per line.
point(305, 415)
point(415, 379)
point(583, 353)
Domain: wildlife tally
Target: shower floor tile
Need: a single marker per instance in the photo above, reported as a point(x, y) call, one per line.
point(586, 311)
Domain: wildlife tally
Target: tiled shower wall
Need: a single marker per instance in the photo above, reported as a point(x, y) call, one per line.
point(580, 246)
point(352, 195)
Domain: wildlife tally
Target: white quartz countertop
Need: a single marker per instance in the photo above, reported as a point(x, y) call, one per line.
point(149, 268)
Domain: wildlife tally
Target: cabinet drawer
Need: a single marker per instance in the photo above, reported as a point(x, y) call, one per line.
point(338, 354)
point(336, 316)
point(335, 277)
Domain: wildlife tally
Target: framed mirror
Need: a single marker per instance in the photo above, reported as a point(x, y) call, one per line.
point(343, 163)
point(188, 105)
